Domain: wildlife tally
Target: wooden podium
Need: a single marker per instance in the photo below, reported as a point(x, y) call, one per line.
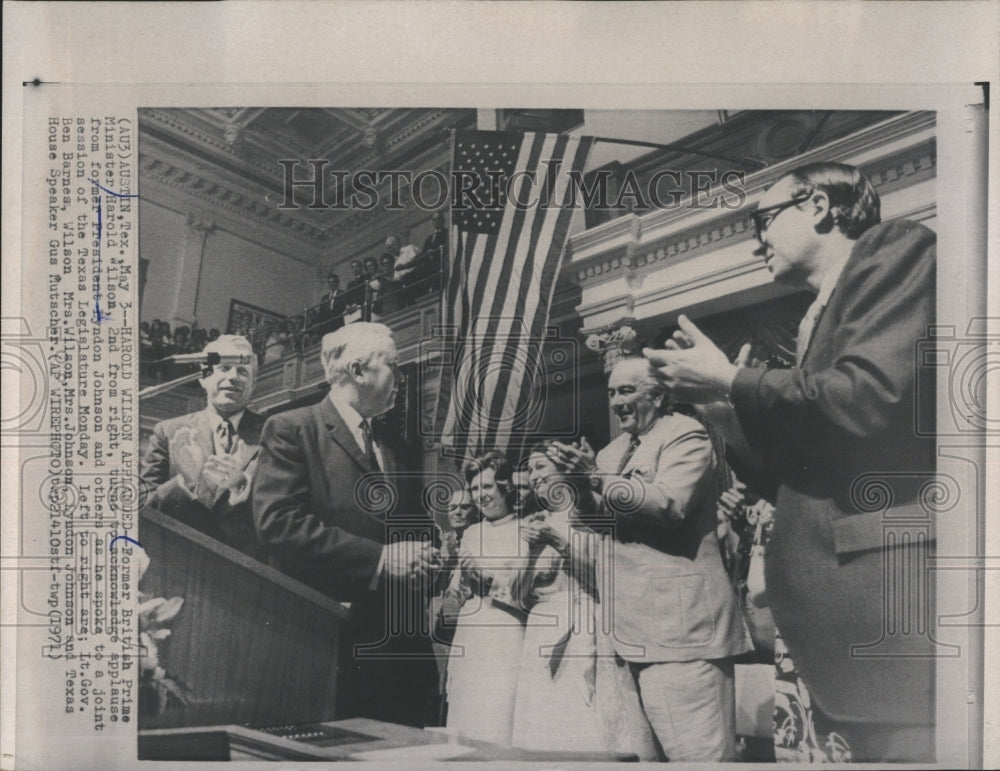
point(255, 646)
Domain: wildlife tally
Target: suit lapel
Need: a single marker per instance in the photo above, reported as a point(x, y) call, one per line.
point(342, 435)
point(249, 434)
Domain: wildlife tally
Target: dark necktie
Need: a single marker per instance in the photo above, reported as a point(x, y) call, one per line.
point(629, 452)
point(226, 436)
point(366, 432)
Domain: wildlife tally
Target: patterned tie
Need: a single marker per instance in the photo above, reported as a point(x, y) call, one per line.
point(226, 435)
point(629, 452)
point(366, 432)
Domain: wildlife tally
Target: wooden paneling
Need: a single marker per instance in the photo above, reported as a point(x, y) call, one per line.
point(253, 645)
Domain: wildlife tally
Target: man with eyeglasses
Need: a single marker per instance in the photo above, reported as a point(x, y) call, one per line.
point(831, 430)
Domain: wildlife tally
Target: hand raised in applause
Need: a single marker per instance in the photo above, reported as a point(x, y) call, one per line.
point(576, 458)
point(693, 367)
point(537, 532)
point(223, 472)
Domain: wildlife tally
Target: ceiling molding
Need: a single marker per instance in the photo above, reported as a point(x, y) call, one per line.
point(644, 242)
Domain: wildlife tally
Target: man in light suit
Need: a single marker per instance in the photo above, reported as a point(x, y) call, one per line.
point(336, 509)
point(841, 422)
point(675, 616)
point(199, 467)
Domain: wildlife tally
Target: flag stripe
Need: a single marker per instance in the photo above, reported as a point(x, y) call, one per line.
point(523, 382)
point(506, 296)
point(484, 342)
point(502, 279)
point(516, 337)
point(521, 391)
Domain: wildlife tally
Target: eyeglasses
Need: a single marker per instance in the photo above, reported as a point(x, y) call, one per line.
point(762, 218)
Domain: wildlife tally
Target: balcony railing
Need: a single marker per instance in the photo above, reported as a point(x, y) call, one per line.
point(297, 371)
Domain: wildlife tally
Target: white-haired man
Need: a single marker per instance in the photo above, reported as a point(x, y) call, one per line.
point(676, 619)
point(199, 467)
point(334, 508)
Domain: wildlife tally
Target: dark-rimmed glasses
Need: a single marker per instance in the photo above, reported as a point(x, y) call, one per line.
point(762, 218)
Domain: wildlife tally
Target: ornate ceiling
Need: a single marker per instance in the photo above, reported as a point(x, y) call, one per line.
point(222, 163)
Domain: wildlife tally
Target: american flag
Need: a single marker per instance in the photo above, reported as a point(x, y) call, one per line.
point(507, 239)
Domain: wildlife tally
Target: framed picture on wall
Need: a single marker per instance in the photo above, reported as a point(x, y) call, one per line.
point(253, 322)
point(245, 318)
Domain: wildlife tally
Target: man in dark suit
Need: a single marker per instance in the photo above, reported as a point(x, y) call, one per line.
point(199, 467)
point(354, 297)
point(432, 259)
point(330, 316)
point(834, 430)
point(336, 509)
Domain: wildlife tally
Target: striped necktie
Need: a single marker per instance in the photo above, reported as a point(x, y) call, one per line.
point(226, 436)
point(629, 452)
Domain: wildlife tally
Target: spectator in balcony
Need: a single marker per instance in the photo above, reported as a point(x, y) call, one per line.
point(354, 298)
point(403, 257)
point(426, 277)
point(330, 312)
point(280, 342)
point(373, 290)
point(199, 467)
point(181, 339)
point(199, 339)
point(392, 288)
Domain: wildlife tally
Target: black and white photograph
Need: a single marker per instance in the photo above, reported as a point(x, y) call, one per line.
point(536, 384)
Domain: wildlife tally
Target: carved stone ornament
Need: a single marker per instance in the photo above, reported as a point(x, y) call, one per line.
point(615, 342)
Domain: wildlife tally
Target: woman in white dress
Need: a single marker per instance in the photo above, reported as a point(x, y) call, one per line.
point(486, 652)
point(573, 692)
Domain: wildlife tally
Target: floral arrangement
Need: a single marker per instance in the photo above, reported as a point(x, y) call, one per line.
point(157, 688)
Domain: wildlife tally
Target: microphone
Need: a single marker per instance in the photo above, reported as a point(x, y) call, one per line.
point(213, 359)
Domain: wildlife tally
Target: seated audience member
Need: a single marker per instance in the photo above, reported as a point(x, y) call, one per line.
point(573, 691)
point(213, 334)
point(483, 668)
point(198, 467)
point(677, 620)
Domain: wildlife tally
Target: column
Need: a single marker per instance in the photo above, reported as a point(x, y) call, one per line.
point(189, 273)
